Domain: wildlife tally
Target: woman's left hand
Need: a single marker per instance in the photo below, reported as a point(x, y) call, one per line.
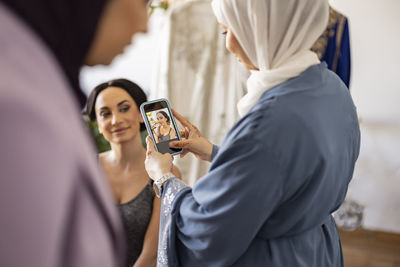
point(156, 164)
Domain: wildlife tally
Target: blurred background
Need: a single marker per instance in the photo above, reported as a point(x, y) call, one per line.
point(183, 58)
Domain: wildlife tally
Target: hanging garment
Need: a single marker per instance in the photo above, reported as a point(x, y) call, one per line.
point(333, 46)
point(198, 76)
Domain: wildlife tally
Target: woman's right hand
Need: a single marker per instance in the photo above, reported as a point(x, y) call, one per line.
point(193, 141)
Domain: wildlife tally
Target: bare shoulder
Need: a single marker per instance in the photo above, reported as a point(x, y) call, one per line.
point(103, 159)
point(104, 154)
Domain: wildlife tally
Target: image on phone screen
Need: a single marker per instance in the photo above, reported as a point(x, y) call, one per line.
point(161, 125)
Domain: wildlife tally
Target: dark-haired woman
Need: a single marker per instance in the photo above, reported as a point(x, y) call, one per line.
point(114, 105)
point(164, 130)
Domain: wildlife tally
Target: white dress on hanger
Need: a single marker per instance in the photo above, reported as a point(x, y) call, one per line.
point(199, 77)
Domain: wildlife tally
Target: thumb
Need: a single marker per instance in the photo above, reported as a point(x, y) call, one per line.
point(180, 144)
point(150, 145)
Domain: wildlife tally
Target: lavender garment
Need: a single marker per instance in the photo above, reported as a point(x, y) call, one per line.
point(56, 208)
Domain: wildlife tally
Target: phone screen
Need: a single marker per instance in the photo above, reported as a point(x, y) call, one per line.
point(161, 125)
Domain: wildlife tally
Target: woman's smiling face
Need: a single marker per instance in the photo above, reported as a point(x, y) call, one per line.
point(161, 119)
point(117, 115)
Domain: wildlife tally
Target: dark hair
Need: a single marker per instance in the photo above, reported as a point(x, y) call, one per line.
point(131, 88)
point(67, 27)
point(165, 115)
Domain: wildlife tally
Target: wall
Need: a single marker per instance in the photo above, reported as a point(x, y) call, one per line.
point(375, 43)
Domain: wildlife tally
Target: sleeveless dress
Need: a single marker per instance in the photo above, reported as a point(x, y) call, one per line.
point(136, 215)
point(162, 138)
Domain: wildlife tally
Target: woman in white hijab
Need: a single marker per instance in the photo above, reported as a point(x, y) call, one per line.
point(283, 168)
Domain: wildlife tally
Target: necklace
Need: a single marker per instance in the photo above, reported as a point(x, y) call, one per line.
point(164, 129)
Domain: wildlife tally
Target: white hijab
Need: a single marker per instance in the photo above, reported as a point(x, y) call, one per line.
point(276, 35)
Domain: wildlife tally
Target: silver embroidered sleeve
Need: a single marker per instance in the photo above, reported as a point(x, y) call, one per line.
point(173, 187)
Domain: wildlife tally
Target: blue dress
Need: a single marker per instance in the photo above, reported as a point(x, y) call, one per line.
point(272, 185)
point(333, 46)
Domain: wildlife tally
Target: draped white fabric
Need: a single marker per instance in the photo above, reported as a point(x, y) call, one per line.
point(276, 35)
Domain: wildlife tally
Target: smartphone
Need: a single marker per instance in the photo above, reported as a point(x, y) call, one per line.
point(161, 125)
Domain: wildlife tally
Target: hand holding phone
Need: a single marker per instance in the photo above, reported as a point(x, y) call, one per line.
point(194, 141)
point(161, 125)
point(157, 164)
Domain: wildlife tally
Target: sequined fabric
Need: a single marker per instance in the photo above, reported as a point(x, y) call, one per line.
point(171, 190)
